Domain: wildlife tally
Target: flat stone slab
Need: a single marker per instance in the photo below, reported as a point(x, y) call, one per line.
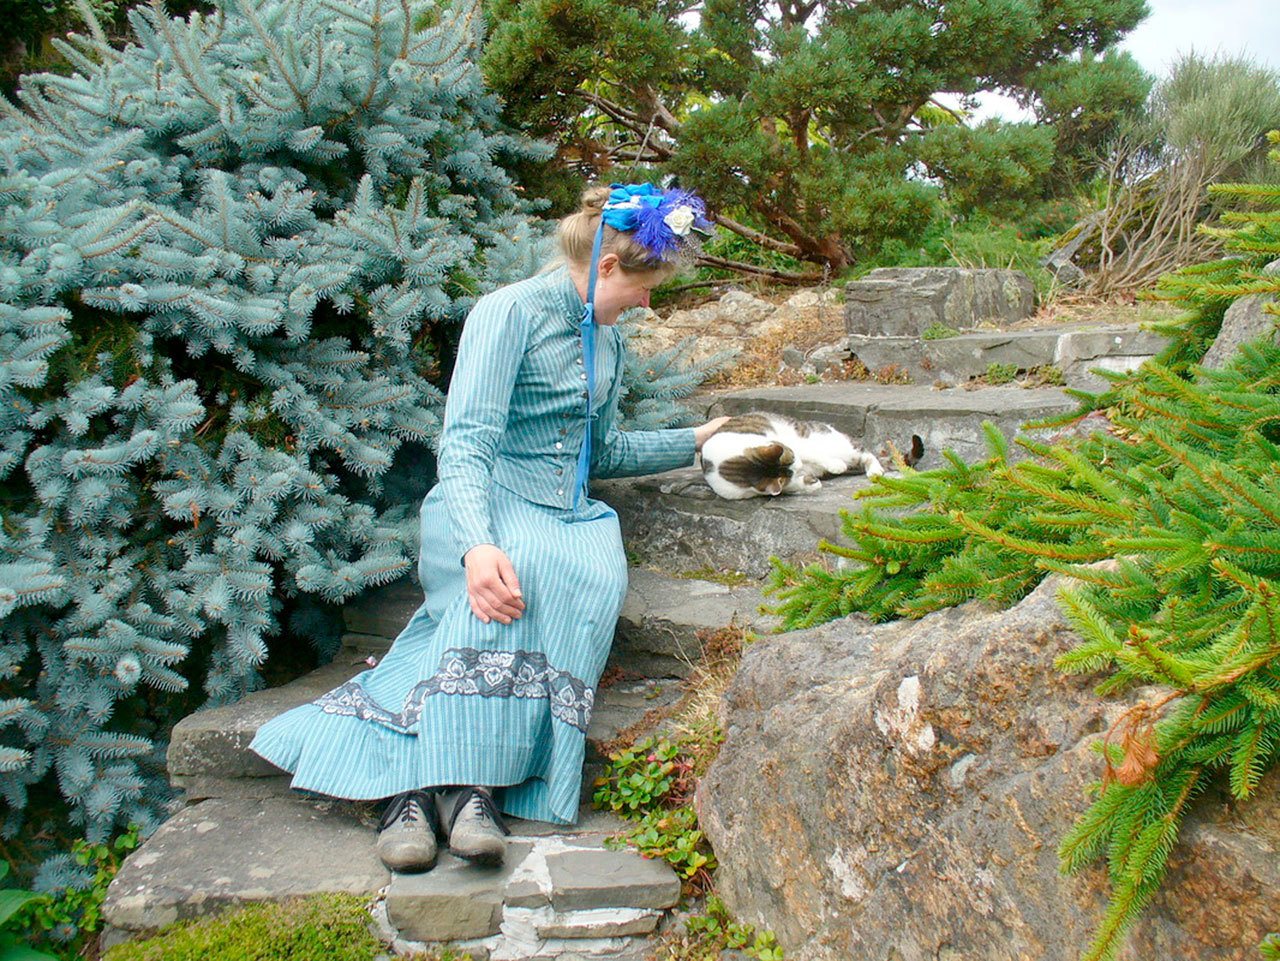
point(675, 520)
point(382, 612)
point(224, 853)
point(622, 704)
point(1075, 351)
point(599, 923)
point(212, 745)
point(610, 879)
point(663, 617)
point(874, 414)
point(909, 300)
point(554, 894)
point(453, 901)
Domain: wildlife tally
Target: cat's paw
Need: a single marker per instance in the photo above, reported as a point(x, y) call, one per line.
point(871, 467)
point(834, 467)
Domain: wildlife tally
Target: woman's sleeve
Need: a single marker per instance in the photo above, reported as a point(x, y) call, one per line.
point(628, 453)
point(494, 339)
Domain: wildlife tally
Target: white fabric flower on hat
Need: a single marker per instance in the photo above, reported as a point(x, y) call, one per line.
point(680, 220)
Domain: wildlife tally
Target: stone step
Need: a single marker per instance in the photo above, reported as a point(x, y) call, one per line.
point(876, 414)
point(676, 521)
point(658, 634)
point(1075, 351)
point(559, 888)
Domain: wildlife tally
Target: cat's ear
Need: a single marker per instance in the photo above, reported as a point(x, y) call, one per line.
point(770, 455)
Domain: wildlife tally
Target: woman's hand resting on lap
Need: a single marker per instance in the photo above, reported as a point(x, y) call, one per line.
point(492, 586)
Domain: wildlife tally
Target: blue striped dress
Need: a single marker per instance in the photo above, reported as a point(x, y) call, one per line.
point(456, 701)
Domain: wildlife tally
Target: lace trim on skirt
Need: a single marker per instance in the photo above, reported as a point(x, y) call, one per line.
point(465, 670)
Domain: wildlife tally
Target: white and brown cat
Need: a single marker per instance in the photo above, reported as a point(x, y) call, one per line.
point(763, 455)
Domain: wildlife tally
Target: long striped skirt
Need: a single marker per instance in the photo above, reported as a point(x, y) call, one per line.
point(456, 701)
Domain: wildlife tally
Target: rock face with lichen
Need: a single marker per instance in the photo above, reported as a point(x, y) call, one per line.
point(897, 793)
point(906, 301)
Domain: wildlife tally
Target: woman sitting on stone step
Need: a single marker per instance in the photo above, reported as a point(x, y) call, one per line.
point(481, 705)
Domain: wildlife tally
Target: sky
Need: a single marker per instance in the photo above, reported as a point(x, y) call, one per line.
point(1175, 27)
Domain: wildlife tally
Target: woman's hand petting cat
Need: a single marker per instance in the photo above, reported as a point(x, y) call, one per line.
point(700, 434)
point(492, 586)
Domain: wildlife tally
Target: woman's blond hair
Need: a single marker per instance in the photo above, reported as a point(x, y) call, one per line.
point(578, 233)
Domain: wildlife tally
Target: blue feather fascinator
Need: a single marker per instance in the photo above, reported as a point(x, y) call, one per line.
point(659, 220)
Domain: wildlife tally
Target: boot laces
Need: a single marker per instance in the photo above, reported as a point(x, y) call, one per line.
point(479, 804)
point(407, 809)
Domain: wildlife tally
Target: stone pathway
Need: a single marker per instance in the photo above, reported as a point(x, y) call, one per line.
point(244, 836)
point(1075, 351)
point(557, 894)
point(560, 893)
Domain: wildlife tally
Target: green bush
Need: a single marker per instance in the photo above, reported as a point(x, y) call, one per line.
point(70, 914)
point(14, 905)
point(1222, 104)
point(981, 241)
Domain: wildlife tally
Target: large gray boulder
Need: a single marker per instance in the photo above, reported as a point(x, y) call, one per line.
point(898, 792)
point(1247, 319)
point(906, 301)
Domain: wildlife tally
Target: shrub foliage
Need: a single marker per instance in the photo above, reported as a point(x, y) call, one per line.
point(228, 253)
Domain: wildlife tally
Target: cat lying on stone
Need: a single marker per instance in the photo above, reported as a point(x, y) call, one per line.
point(763, 455)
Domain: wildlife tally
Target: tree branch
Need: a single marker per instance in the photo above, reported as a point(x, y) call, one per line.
point(782, 276)
point(755, 236)
point(942, 106)
point(618, 113)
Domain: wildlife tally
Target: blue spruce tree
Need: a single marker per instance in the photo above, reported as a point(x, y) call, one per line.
point(229, 253)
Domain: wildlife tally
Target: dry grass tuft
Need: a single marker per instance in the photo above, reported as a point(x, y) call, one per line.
point(1084, 309)
point(760, 363)
point(697, 716)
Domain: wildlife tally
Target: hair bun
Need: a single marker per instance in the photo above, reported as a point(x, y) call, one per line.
point(593, 200)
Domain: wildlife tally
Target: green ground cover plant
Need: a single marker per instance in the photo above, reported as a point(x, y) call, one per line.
point(1000, 373)
point(1177, 489)
point(328, 927)
point(14, 928)
point(651, 783)
point(707, 935)
point(68, 918)
point(982, 240)
point(938, 332)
